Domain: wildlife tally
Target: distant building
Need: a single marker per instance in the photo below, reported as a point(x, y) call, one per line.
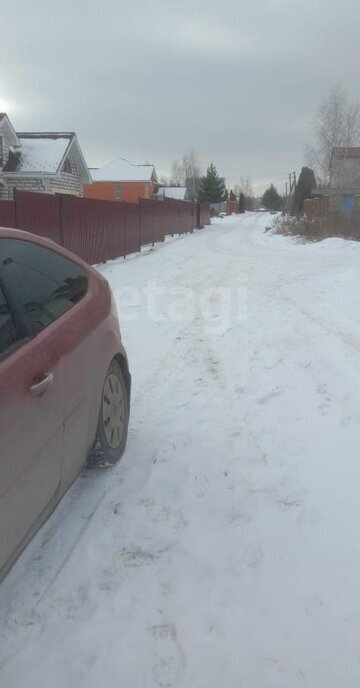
point(121, 180)
point(345, 171)
point(50, 162)
point(176, 192)
point(342, 194)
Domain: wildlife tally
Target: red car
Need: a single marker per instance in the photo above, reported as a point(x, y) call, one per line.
point(64, 380)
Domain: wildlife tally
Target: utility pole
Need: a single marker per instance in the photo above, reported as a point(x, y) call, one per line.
point(290, 188)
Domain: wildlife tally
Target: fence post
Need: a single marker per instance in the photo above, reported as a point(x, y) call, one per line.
point(15, 208)
point(153, 230)
point(61, 219)
point(125, 227)
point(140, 223)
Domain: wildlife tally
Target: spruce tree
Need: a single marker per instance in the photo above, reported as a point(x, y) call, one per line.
point(212, 187)
point(271, 200)
point(304, 188)
point(241, 203)
point(232, 196)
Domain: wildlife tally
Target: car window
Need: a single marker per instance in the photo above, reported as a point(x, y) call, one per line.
point(46, 283)
point(8, 332)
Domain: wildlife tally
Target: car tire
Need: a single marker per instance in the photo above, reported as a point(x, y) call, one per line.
point(113, 419)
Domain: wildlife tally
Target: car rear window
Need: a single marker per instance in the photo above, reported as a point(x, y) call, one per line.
point(46, 283)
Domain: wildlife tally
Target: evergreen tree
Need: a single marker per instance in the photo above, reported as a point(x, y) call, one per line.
point(306, 184)
point(226, 195)
point(212, 187)
point(271, 200)
point(241, 203)
point(232, 196)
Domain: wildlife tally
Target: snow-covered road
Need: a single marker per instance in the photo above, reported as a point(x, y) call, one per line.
point(224, 550)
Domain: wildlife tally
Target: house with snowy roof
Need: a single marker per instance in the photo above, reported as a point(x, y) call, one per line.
point(47, 162)
point(178, 193)
point(121, 180)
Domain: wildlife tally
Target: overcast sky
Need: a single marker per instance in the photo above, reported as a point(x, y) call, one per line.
point(150, 79)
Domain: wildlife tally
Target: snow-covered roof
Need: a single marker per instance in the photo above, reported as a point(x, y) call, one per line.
point(177, 192)
point(41, 154)
point(122, 170)
point(45, 153)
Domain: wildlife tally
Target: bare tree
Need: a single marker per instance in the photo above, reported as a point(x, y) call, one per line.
point(187, 172)
point(192, 168)
point(191, 165)
point(244, 186)
point(337, 124)
point(177, 174)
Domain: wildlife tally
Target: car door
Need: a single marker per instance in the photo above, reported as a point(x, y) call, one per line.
point(60, 302)
point(31, 430)
point(44, 380)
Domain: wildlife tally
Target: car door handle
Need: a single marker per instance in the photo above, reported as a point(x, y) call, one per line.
point(38, 388)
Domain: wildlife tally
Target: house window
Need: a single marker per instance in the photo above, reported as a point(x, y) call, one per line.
point(67, 166)
point(1, 151)
point(117, 190)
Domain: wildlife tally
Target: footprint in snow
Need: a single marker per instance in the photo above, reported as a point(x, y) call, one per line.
point(269, 397)
point(236, 517)
point(135, 556)
point(169, 657)
point(253, 557)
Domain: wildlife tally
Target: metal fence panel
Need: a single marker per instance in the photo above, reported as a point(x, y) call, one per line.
point(204, 214)
point(147, 231)
point(151, 221)
point(164, 220)
point(7, 214)
point(192, 217)
point(39, 214)
point(114, 229)
point(100, 230)
point(132, 228)
point(181, 218)
point(308, 208)
point(82, 227)
point(231, 207)
point(160, 211)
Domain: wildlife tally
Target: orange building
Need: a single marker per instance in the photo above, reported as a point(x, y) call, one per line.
point(120, 180)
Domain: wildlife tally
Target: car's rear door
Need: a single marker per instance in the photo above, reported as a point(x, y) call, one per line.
point(31, 431)
point(43, 286)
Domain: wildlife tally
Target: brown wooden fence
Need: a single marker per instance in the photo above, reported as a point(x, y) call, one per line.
point(232, 207)
point(101, 230)
point(316, 207)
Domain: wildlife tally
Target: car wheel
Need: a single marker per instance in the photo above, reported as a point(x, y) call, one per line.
point(113, 415)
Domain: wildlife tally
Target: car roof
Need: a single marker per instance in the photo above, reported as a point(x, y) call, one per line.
point(9, 233)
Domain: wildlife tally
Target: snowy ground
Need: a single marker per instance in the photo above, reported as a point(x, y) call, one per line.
point(223, 552)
